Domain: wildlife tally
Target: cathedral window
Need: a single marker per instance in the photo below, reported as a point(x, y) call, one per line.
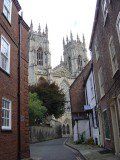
point(39, 57)
point(69, 63)
point(79, 62)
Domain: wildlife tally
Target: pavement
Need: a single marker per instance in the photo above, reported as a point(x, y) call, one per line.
point(53, 150)
point(89, 152)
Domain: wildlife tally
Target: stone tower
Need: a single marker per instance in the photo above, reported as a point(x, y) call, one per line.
point(39, 55)
point(75, 54)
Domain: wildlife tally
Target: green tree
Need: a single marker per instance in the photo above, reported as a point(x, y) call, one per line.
point(53, 98)
point(36, 108)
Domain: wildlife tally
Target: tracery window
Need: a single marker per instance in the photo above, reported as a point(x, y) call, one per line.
point(79, 62)
point(69, 63)
point(40, 57)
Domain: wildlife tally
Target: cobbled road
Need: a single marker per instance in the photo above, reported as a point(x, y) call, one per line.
point(52, 150)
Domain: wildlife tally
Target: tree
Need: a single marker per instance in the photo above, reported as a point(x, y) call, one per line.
point(36, 108)
point(53, 98)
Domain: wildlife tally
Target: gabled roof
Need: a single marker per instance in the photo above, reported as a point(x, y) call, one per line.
point(17, 5)
point(95, 22)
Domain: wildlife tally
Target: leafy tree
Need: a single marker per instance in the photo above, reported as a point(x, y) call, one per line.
point(53, 98)
point(37, 110)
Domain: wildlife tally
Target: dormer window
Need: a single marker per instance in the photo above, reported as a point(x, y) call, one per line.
point(7, 8)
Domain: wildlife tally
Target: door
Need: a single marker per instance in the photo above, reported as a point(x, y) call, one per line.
point(115, 126)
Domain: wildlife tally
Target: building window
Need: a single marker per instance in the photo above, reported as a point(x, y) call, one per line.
point(69, 63)
point(101, 82)
point(6, 114)
point(68, 129)
point(5, 55)
point(106, 124)
point(113, 56)
point(118, 26)
point(97, 55)
point(40, 57)
point(63, 129)
point(91, 86)
point(7, 8)
point(105, 8)
point(79, 63)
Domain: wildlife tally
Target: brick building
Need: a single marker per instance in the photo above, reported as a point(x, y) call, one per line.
point(78, 100)
point(105, 48)
point(14, 135)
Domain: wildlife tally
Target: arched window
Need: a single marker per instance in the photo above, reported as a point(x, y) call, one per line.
point(63, 129)
point(79, 62)
point(40, 57)
point(69, 63)
point(68, 129)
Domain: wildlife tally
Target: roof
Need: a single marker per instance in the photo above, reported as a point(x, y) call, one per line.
point(17, 5)
point(77, 90)
point(24, 23)
point(85, 71)
point(95, 22)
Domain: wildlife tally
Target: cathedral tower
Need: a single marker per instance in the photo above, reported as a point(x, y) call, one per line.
point(75, 54)
point(39, 55)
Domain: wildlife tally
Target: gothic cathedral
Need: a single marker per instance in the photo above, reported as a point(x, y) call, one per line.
point(75, 59)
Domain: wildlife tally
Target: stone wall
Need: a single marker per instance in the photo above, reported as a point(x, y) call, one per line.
point(41, 133)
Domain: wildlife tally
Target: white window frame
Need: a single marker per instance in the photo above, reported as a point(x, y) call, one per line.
point(8, 10)
point(97, 55)
point(113, 57)
point(10, 115)
point(105, 4)
point(118, 26)
point(101, 82)
point(7, 56)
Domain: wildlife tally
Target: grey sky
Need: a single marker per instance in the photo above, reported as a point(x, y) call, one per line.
point(61, 17)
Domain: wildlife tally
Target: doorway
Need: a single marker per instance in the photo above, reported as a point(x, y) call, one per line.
point(115, 125)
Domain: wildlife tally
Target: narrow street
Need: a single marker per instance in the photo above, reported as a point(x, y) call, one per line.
point(52, 150)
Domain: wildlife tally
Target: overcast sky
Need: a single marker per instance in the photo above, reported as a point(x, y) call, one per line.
point(61, 16)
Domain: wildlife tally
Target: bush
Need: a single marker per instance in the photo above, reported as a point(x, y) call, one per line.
point(90, 141)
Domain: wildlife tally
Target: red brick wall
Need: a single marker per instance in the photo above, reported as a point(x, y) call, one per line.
point(77, 90)
point(104, 32)
point(9, 88)
point(24, 95)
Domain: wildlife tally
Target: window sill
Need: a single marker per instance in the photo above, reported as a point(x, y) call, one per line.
point(4, 72)
point(6, 130)
point(6, 19)
point(107, 139)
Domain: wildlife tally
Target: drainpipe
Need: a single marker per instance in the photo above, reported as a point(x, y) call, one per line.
point(19, 96)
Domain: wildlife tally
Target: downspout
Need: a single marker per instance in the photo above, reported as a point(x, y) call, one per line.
point(19, 96)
